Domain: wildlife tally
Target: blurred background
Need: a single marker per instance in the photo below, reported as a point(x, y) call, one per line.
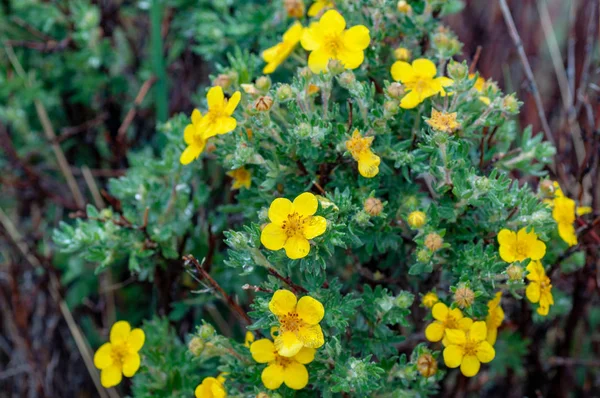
point(83, 82)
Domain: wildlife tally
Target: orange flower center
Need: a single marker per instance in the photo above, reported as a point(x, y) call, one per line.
point(290, 322)
point(119, 352)
point(419, 85)
point(451, 322)
point(521, 249)
point(294, 225)
point(282, 361)
point(333, 43)
point(470, 347)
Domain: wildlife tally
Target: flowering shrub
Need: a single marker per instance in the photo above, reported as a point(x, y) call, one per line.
point(407, 246)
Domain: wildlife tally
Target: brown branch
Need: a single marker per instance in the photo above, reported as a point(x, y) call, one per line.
point(136, 103)
point(475, 60)
point(189, 259)
point(295, 287)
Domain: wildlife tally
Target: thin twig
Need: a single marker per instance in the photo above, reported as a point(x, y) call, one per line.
point(295, 287)
point(514, 34)
point(136, 103)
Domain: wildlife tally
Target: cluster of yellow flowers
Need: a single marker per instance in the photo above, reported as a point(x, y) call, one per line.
point(564, 212)
point(360, 149)
point(298, 336)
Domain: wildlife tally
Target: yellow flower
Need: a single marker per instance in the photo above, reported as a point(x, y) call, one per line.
point(249, 339)
point(241, 178)
point(360, 149)
point(402, 54)
point(445, 318)
point(417, 219)
point(479, 86)
point(211, 388)
point(494, 318)
point(442, 121)
point(539, 289)
point(329, 39)
point(563, 213)
point(195, 139)
point(218, 119)
point(518, 246)
point(404, 7)
point(280, 369)
point(275, 55)
point(420, 81)
point(318, 6)
point(468, 349)
point(120, 356)
point(298, 322)
point(292, 225)
point(430, 299)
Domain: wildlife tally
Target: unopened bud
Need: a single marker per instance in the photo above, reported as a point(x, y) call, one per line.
point(373, 206)
point(510, 104)
point(206, 331)
point(335, 66)
point(404, 299)
point(391, 107)
point(346, 79)
point(294, 8)
point(263, 83)
point(305, 72)
point(263, 103)
point(223, 81)
point(430, 299)
point(423, 256)
point(547, 188)
point(514, 272)
point(464, 297)
point(404, 7)
point(249, 89)
point(433, 241)
point(196, 346)
point(458, 70)
point(402, 54)
point(395, 90)
point(417, 219)
point(284, 92)
point(427, 365)
point(262, 395)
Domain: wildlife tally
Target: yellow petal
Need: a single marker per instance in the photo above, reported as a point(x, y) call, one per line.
point(411, 100)
point(470, 365)
point(402, 72)
point(478, 331)
point(272, 52)
point(273, 237)
point(318, 59)
point(202, 391)
point(567, 233)
point(465, 323)
point(507, 253)
point(120, 332)
point(507, 237)
point(537, 250)
point(310, 310)
point(188, 134)
point(485, 352)
point(440, 311)
point(543, 310)
point(136, 340)
point(224, 125)
point(295, 376)
point(272, 376)
point(296, 247)
point(294, 33)
point(306, 204)
point(111, 376)
point(279, 210)
point(190, 154)
point(311, 336)
point(356, 38)
point(492, 335)
point(288, 344)
point(312, 37)
point(443, 81)
point(263, 351)
point(453, 356)
point(131, 364)
point(215, 97)
point(282, 302)
point(196, 116)
point(424, 67)
point(533, 292)
point(368, 164)
point(435, 331)
point(455, 313)
point(248, 339)
point(580, 211)
point(332, 22)
point(315, 226)
point(305, 355)
point(233, 102)
point(351, 59)
point(315, 8)
point(103, 357)
point(455, 336)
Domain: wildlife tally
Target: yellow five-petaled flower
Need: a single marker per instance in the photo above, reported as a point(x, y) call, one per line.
point(298, 322)
point(445, 318)
point(292, 225)
point(274, 56)
point(419, 80)
point(211, 388)
point(329, 39)
point(468, 349)
point(519, 246)
point(218, 119)
point(120, 356)
point(539, 289)
point(241, 178)
point(280, 369)
point(360, 149)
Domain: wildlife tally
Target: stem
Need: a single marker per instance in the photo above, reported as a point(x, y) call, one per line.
point(160, 92)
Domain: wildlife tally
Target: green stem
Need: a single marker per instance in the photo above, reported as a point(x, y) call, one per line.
point(157, 54)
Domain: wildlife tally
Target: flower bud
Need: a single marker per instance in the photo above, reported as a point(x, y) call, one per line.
point(433, 241)
point(430, 299)
point(263, 83)
point(391, 107)
point(464, 297)
point(263, 103)
point(510, 104)
point(402, 54)
point(284, 92)
point(458, 70)
point(206, 331)
point(404, 299)
point(305, 72)
point(417, 219)
point(262, 395)
point(312, 89)
point(346, 79)
point(249, 89)
point(514, 272)
point(373, 206)
point(223, 80)
point(294, 8)
point(427, 365)
point(335, 66)
point(304, 130)
point(395, 90)
point(547, 188)
point(362, 218)
point(196, 346)
point(423, 256)
point(404, 7)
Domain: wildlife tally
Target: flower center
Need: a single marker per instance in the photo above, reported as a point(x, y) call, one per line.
point(522, 248)
point(333, 43)
point(451, 322)
point(419, 85)
point(119, 352)
point(290, 322)
point(470, 347)
point(282, 361)
point(294, 225)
